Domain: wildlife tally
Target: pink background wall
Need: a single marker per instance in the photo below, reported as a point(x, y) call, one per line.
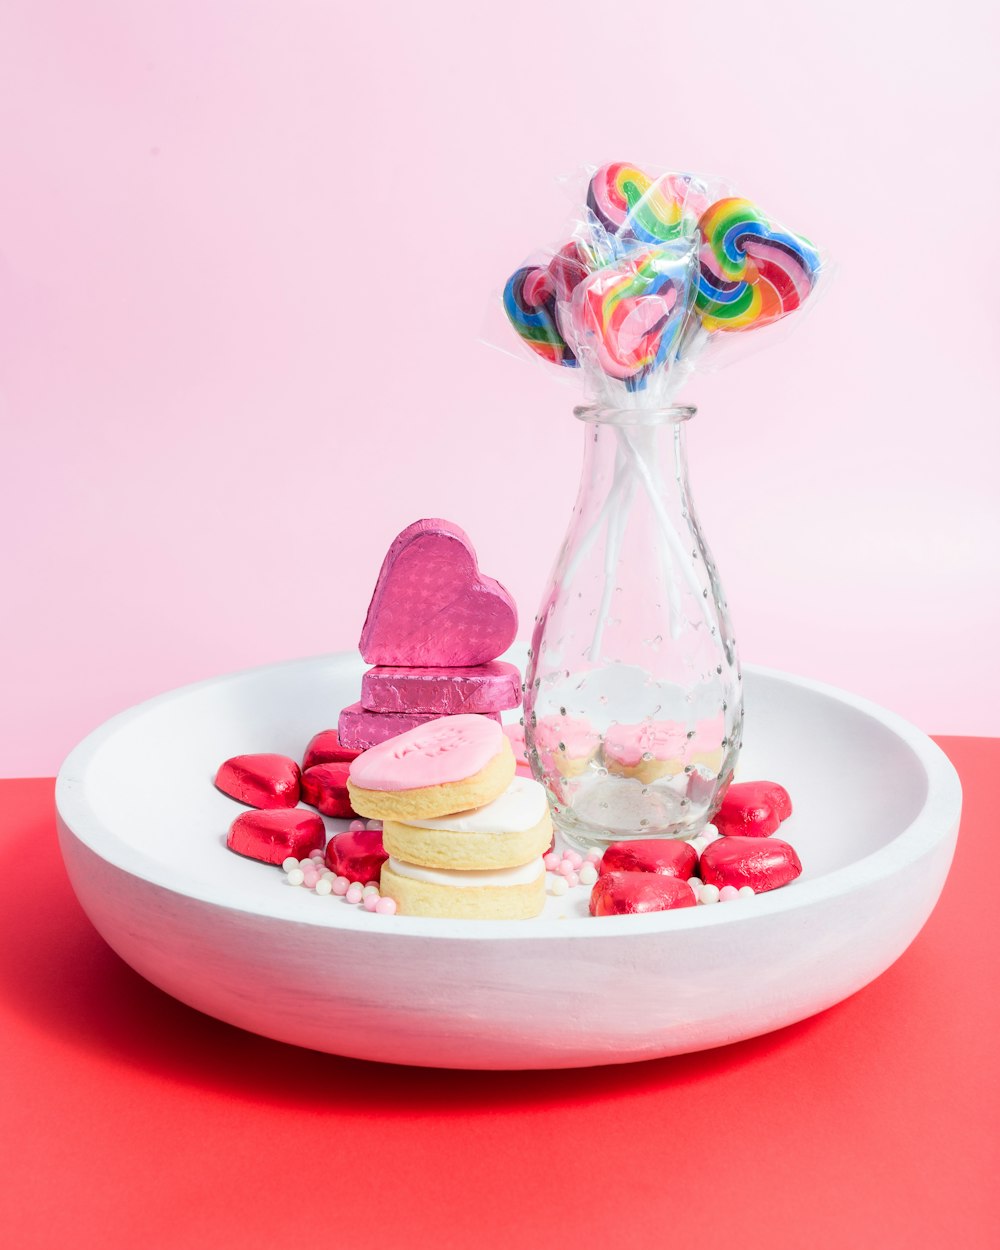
point(245, 253)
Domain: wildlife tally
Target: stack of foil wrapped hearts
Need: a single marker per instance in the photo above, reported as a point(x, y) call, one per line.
point(433, 634)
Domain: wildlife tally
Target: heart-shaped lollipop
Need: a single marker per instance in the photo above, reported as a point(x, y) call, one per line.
point(752, 271)
point(626, 316)
point(635, 207)
point(536, 300)
point(432, 606)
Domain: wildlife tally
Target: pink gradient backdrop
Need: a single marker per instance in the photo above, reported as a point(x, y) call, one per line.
point(245, 253)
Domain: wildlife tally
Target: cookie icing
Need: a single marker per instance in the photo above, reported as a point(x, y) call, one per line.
point(523, 874)
point(521, 807)
point(574, 736)
point(452, 748)
point(658, 740)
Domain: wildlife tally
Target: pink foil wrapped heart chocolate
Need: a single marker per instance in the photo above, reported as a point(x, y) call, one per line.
point(432, 606)
point(263, 781)
point(492, 687)
point(753, 809)
point(357, 854)
point(362, 729)
point(325, 748)
point(761, 863)
point(669, 856)
point(272, 836)
point(631, 893)
point(324, 786)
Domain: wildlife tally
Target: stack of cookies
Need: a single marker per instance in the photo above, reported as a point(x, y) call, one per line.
point(434, 629)
point(464, 835)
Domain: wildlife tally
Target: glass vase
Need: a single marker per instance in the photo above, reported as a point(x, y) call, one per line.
point(633, 707)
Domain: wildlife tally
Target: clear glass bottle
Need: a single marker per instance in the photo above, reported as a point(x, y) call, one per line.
point(633, 706)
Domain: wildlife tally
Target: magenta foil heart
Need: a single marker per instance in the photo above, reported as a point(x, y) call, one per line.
point(432, 606)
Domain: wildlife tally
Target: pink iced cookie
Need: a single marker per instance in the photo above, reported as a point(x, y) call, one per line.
point(568, 742)
point(647, 751)
point(705, 745)
point(432, 606)
point(515, 736)
point(489, 687)
point(448, 765)
point(360, 729)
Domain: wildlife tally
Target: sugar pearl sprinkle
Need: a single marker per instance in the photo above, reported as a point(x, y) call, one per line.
point(311, 873)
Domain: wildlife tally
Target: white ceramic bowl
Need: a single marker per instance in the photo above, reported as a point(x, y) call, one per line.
point(143, 831)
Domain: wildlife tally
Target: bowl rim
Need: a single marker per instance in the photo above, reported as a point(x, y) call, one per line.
point(935, 823)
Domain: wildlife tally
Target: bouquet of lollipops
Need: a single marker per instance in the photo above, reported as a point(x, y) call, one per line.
point(658, 270)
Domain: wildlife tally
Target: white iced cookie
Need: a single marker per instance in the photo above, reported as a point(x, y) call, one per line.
point(514, 829)
point(516, 893)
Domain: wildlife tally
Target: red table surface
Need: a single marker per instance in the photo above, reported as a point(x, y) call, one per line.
point(129, 1120)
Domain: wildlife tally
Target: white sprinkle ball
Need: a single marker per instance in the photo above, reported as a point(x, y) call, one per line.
point(288, 864)
point(370, 888)
point(374, 824)
point(588, 873)
point(709, 894)
point(558, 885)
point(746, 891)
point(296, 876)
point(324, 886)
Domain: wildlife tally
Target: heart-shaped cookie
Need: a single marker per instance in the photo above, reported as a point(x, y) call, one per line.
point(432, 606)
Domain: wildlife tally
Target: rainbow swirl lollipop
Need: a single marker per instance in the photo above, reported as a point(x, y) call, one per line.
point(627, 316)
point(535, 297)
point(752, 272)
point(633, 206)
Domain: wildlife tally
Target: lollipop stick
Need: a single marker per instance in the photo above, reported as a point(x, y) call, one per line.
point(642, 468)
point(588, 540)
point(617, 525)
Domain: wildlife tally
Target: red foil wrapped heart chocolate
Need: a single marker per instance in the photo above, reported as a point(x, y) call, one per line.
point(432, 606)
point(762, 863)
point(324, 786)
point(263, 781)
point(272, 836)
point(325, 748)
point(631, 893)
point(357, 854)
point(669, 856)
point(753, 809)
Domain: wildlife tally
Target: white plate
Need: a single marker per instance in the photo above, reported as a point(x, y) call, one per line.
point(143, 831)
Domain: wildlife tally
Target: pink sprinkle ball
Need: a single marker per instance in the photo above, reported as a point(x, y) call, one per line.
point(371, 902)
point(340, 886)
point(309, 879)
point(572, 879)
point(317, 854)
point(565, 868)
point(728, 893)
point(385, 907)
point(354, 892)
point(594, 857)
point(574, 860)
point(552, 862)
point(356, 826)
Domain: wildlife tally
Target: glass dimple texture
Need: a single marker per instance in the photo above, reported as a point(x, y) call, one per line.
point(633, 706)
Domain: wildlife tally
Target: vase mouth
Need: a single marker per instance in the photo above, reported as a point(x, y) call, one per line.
point(600, 414)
